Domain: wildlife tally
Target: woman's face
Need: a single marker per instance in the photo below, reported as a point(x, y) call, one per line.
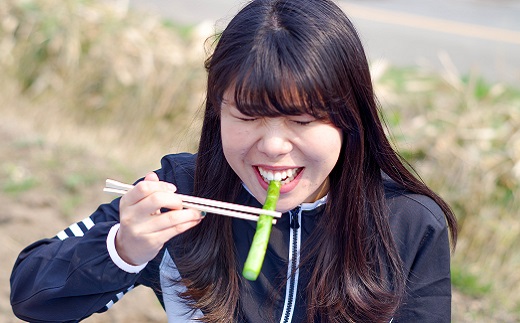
point(298, 150)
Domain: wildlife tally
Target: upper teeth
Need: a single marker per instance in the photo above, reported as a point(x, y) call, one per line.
point(285, 175)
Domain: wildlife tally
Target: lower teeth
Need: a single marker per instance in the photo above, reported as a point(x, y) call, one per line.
point(284, 181)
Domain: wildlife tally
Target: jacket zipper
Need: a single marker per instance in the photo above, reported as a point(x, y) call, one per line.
point(294, 260)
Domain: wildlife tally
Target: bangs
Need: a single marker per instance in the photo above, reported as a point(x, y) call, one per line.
point(275, 79)
point(277, 66)
point(272, 94)
point(277, 75)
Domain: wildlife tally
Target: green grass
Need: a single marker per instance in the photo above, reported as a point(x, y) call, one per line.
point(468, 283)
point(75, 182)
point(15, 178)
point(18, 187)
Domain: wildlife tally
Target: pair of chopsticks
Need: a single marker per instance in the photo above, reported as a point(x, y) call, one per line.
point(202, 204)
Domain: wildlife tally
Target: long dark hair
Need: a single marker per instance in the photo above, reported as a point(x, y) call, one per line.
point(275, 53)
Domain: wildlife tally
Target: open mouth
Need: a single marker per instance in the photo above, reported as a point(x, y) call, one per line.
point(285, 176)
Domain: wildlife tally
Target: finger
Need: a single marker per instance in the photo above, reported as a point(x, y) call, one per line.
point(173, 231)
point(147, 244)
point(153, 203)
point(171, 219)
point(152, 176)
point(144, 189)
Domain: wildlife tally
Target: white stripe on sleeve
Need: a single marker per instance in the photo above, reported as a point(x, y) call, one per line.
point(76, 230)
point(88, 223)
point(62, 235)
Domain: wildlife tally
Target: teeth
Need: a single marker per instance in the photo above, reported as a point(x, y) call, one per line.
point(285, 176)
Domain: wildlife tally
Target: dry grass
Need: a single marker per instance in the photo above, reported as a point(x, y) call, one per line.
point(128, 85)
point(101, 67)
point(463, 137)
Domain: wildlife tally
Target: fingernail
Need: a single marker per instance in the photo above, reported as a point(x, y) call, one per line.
point(202, 214)
point(171, 187)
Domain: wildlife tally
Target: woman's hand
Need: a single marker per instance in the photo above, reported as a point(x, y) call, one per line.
point(144, 229)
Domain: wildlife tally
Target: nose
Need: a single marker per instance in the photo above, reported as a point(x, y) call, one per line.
point(275, 140)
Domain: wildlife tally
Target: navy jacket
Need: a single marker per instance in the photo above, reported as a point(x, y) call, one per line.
point(72, 275)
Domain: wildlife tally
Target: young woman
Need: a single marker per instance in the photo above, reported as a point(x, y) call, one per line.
point(361, 239)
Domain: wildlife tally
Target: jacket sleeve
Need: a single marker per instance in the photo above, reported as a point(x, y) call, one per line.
point(70, 276)
point(421, 236)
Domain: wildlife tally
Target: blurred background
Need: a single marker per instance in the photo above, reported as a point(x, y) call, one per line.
point(95, 89)
point(481, 36)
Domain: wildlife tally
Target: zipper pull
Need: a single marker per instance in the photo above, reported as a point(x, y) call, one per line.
point(295, 224)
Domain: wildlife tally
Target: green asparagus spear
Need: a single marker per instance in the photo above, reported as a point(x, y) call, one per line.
point(256, 255)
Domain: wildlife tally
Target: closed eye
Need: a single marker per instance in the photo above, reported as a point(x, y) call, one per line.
point(302, 123)
point(302, 120)
point(247, 119)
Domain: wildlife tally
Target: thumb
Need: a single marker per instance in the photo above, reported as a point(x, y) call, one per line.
point(152, 176)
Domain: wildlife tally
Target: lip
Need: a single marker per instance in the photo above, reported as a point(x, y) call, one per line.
point(286, 187)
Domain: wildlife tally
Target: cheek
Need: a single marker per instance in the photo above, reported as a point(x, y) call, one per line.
point(329, 159)
point(336, 147)
point(229, 148)
point(234, 139)
point(326, 147)
point(325, 154)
